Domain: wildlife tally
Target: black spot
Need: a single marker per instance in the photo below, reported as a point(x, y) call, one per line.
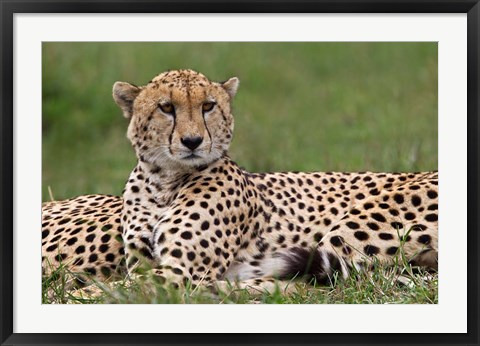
point(173, 230)
point(92, 258)
point(190, 203)
point(72, 241)
point(78, 261)
point(368, 206)
point(409, 216)
point(186, 235)
point(392, 250)
point(397, 225)
point(433, 207)
point(60, 257)
point(336, 241)
point(195, 216)
point(378, 217)
point(103, 248)
point(360, 235)
point(432, 194)
point(105, 271)
point(91, 271)
point(385, 236)
point(419, 227)
point(161, 238)
point(431, 217)
point(106, 227)
point(90, 238)
point(64, 221)
point(398, 198)
point(416, 201)
point(105, 238)
point(371, 250)
point(55, 239)
point(393, 212)
point(354, 211)
point(205, 225)
point(80, 249)
point(191, 256)
point(317, 236)
point(360, 196)
point(352, 225)
point(280, 239)
point(204, 243)
point(177, 271)
point(110, 257)
point(424, 239)
point(373, 226)
point(135, 188)
point(176, 253)
point(45, 234)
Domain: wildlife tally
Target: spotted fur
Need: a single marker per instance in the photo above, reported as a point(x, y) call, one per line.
point(85, 234)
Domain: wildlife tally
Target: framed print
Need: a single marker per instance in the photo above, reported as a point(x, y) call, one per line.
point(275, 171)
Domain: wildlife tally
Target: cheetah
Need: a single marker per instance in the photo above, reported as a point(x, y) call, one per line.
point(84, 233)
point(194, 215)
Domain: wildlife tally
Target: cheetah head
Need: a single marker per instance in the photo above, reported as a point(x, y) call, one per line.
point(178, 118)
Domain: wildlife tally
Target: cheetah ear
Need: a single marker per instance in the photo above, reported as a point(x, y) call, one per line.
point(124, 94)
point(231, 86)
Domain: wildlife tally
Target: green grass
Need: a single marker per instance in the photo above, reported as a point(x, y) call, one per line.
point(378, 287)
point(397, 284)
point(300, 106)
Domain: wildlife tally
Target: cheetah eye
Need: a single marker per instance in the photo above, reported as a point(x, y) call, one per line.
point(208, 106)
point(167, 108)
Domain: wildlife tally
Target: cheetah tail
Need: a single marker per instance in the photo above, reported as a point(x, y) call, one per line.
point(312, 264)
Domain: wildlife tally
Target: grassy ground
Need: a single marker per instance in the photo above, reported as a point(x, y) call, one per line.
point(300, 106)
point(382, 286)
point(397, 284)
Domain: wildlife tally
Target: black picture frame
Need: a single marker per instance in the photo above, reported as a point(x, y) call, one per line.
point(9, 8)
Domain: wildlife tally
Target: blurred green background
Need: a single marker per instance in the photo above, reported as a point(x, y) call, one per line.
point(300, 106)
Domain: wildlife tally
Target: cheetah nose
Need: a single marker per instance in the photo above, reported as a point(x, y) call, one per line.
point(192, 142)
